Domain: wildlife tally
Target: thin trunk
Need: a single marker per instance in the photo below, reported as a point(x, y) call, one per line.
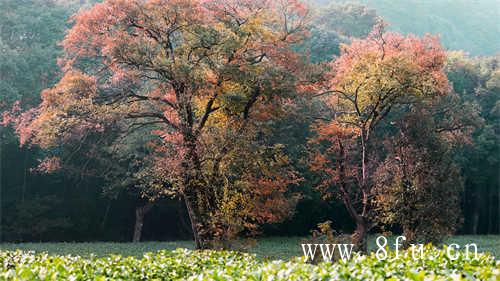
point(475, 221)
point(185, 228)
point(140, 212)
point(1, 180)
point(475, 212)
point(360, 234)
point(491, 211)
point(193, 220)
point(106, 213)
point(363, 159)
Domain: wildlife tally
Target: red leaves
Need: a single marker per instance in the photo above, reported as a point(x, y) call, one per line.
point(333, 156)
point(425, 54)
point(201, 75)
point(333, 130)
point(21, 121)
point(9, 117)
point(269, 203)
point(367, 82)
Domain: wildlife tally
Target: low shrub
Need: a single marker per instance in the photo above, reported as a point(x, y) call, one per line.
point(183, 264)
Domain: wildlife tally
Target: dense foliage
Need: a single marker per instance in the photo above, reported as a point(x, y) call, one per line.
point(183, 264)
point(222, 112)
point(371, 79)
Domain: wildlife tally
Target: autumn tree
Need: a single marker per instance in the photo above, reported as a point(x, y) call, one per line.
point(190, 70)
point(371, 77)
point(418, 185)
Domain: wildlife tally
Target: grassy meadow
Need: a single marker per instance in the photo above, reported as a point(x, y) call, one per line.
point(274, 248)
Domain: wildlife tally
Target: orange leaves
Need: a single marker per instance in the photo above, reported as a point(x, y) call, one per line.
point(268, 200)
point(68, 111)
point(72, 87)
point(204, 76)
point(49, 123)
point(332, 130)
point(92, 27)
point(370, 79)
point(333, 156)
point(198, 45)
point(374, 75)
point(424, 58)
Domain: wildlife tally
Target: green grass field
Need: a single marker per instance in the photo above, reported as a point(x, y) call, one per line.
point(267, 248)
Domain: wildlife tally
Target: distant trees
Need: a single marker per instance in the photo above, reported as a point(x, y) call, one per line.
point(348, 19)
point(336, 24)
point(28, 37)
point(438, 17)
point(477, 83)
point(29, 32)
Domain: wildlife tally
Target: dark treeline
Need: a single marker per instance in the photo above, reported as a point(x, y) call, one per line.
point(66, 206)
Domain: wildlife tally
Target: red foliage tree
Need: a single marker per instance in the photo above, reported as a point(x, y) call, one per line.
point(195, 71)
point(371, 77)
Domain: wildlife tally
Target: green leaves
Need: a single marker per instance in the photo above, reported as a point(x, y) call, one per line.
point(183, 264)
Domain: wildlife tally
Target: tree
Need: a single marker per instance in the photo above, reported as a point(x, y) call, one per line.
point(189, 70)
point(371, 77)
point(418, 185)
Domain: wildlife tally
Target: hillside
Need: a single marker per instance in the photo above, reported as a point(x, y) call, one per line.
point(470, 25)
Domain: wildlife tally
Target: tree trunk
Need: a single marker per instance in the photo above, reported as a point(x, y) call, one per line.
point(140, 212)
point(360, 234)
point(359, 237)
point(409, 234)
point(25, 176)
point(185, 228)
point(194, 221)
point(475, 212)
point(363, 159)
point(106, 213)
point(1, 177)
point(491, 204)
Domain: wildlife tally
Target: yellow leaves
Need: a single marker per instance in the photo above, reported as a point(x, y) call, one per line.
point(232, 87)
point(383, 70)
point(371, 79)
point(73, 85)
point(230, 100)
point(258, 26)
point(255, 183)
